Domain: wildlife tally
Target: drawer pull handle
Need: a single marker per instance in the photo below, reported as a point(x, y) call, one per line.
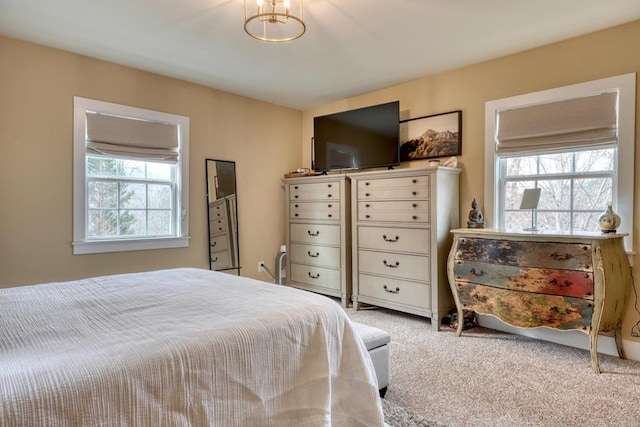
point(478, 272)
point(367, 216)
point(367, 205)
point(561, 257)
point(414, 217)
point(366, 194)
point(396, 265)
point(391, 291)
point(296, 187)
point(366, 183)
point(213, 244)
point(414, 193)
point(314, 277)
point(328, 195)
point(415, 181)
point(330, 205)
point(297, 206)
point(214, 260)
point(313, 234)
point(295, 214)
point(330, 216)
point(384, 236)
point(295, 197)
point(329, 185)
point(312, 255)
point(415, 205)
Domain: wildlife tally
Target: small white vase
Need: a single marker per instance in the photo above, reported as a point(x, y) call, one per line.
point(609, 221)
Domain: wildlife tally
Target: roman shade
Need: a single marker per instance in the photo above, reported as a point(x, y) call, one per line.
point(575, 123)
point(117, 136)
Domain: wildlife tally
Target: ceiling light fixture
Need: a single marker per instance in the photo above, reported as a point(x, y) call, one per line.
point(274, 20)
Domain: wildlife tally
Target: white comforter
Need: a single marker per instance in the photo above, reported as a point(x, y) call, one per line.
point(180, 347)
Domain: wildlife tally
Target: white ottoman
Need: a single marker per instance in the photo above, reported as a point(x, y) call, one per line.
point(377, 342)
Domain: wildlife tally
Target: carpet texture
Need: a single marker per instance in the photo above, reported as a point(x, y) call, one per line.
point(490, 378)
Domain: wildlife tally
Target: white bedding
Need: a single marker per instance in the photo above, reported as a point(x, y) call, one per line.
point(180, 347)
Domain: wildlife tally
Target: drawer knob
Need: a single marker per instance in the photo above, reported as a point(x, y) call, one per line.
point(561, 257)
point(295, 197)
point(366, 194)
point(479, 272)
point(367, 205)
point(314, 276)
point(330, 216)
point(391, 291)
point(297, 206)
point(367, 216)
point(312, 255)
point(313, 234)
point(384, 236)
point(214, 259)
point(396, 265)
point(329, 185)
point(330, 205)
point(415, 181)
point(414, 193)
point(366, 183)
point(414, 217)
point(415, 205)
point(213, 244)
point(295, 214)
point(328, 195)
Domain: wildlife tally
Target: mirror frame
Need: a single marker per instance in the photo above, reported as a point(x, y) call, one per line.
point(232, 216)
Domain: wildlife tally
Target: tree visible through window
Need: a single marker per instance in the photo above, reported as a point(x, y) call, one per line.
point(576, 187)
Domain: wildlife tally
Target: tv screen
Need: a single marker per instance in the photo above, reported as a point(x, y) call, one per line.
point(357, 139)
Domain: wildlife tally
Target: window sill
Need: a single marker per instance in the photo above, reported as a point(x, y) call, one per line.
point(104, 246)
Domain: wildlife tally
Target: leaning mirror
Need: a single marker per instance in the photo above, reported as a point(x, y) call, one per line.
point(222, 213)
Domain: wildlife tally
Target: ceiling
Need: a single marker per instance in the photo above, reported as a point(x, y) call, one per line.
point(350, 47)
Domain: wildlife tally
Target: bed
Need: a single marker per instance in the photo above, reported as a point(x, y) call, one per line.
point(180, 347)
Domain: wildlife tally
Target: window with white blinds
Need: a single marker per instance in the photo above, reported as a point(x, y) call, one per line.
point(130, 178)
point(576, 143)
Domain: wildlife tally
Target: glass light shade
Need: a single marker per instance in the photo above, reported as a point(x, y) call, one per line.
point(274, 20)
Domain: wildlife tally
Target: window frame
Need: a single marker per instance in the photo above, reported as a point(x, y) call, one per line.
point(623, 188)
point(81, 244)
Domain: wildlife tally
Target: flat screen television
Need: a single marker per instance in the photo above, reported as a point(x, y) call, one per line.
point(357, 139)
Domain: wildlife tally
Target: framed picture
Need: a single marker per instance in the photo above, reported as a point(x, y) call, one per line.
point(428, 137)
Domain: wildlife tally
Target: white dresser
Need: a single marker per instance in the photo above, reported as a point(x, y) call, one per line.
point(400, 242)
point(318, 235)
point(220, 240)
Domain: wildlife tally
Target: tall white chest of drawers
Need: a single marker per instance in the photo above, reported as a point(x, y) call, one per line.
point(318, 235)
point(400, 239)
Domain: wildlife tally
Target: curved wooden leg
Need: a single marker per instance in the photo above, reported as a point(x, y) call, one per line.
point(460, 321)
point(593, 344)
point(617, 333)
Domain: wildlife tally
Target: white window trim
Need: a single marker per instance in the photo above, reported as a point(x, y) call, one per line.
point(626, 84)
point(80, 244)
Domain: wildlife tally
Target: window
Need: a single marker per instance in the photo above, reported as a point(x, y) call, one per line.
point(130, 165)
point(576, 143)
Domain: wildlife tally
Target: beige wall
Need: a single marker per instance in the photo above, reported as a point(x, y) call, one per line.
point(603, 54)
point(37, 85)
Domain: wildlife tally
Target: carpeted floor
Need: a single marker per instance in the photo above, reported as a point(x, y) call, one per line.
point(489, 378)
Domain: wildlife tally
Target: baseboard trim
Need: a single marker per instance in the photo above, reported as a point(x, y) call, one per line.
point(577, 339)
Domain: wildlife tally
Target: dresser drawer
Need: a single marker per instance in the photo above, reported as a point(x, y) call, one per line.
point(393, 183)
point(395, 239)
point(398, 265)
point(219, 243)
point(315, 233)
point(394, 290)
point(319, 210)
point(220, 260)
point(396, 211)
point(217, 212)
point(404, 193)
point(569, 256)
point(317, 276)
point(218, 226)
point(316, 191)
point(571, 283)
point(527, 310)
point(316, 255)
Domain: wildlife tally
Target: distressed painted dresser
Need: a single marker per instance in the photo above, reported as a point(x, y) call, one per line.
point(317, 235)
point(401, 221)
point(532, 279)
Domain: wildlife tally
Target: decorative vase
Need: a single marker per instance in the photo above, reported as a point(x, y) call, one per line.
point(609, 221)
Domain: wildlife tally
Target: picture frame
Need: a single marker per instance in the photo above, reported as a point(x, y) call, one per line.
point(430, 137)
